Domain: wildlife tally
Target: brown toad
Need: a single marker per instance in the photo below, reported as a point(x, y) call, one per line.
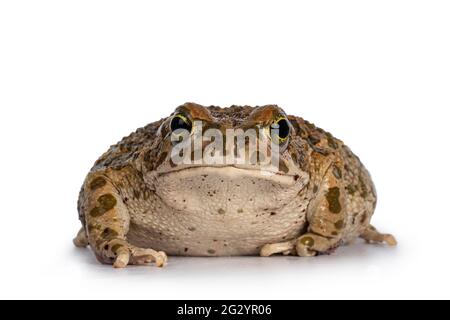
point(138, 204)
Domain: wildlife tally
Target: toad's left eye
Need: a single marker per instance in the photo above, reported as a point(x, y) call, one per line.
point(280, 130)
point(180, 122)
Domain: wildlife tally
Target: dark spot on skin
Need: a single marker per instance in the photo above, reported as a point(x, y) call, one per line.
point(294, 157)
point(332, 197)
point(337, 172)
point(273, 213)
point(315, 189)
point(320, 150)
point(339, 225)
point(299, 131)
point(106, 203)
point(96, 212)
point(331, 141)
point(307, 241)
point(109, 234)
point(191, 229)
point(283, 167)
point(296, 177)
point(116, 248)
point(364, 218)
point(310, 125)
point(161, 159)
point(147, 194)
point(186, 249)
point(92, 227)
point(211, 251)
point(147, 158)
point(98, 243)
point(221, 211)
point(334, 233)
point(313, 140)
point(97, 183)
point(119, 185)
point(351, 190)
point(364, 191)
point(240, 211)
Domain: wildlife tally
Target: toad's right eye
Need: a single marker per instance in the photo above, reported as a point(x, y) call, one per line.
point(180, 122)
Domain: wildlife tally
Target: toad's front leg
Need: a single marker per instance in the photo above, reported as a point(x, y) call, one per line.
point(327, 218)
point(107, 224)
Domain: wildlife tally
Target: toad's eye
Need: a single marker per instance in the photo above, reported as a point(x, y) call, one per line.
point(180, 122)
point(279, 130)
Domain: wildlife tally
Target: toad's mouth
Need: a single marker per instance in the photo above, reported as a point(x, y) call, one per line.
point(233, 171)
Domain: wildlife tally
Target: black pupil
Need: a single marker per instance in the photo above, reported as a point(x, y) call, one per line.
point(283, 129)
point(179, 123)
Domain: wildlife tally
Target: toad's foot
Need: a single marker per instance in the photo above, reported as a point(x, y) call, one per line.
point(286, 248)
point(126, 254)
point(371, 235)
point(308, 245)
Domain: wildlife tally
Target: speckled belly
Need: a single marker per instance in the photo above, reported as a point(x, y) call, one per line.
point(213, 233)
point(218, 217)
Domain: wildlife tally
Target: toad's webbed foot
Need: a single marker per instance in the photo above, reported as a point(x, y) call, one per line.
point(126, 254)
point(307, 245)
point(372, 235)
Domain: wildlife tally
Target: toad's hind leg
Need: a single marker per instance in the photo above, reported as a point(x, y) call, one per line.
point(371, 235)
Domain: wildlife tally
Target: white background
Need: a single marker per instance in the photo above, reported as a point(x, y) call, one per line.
point(75, 77)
